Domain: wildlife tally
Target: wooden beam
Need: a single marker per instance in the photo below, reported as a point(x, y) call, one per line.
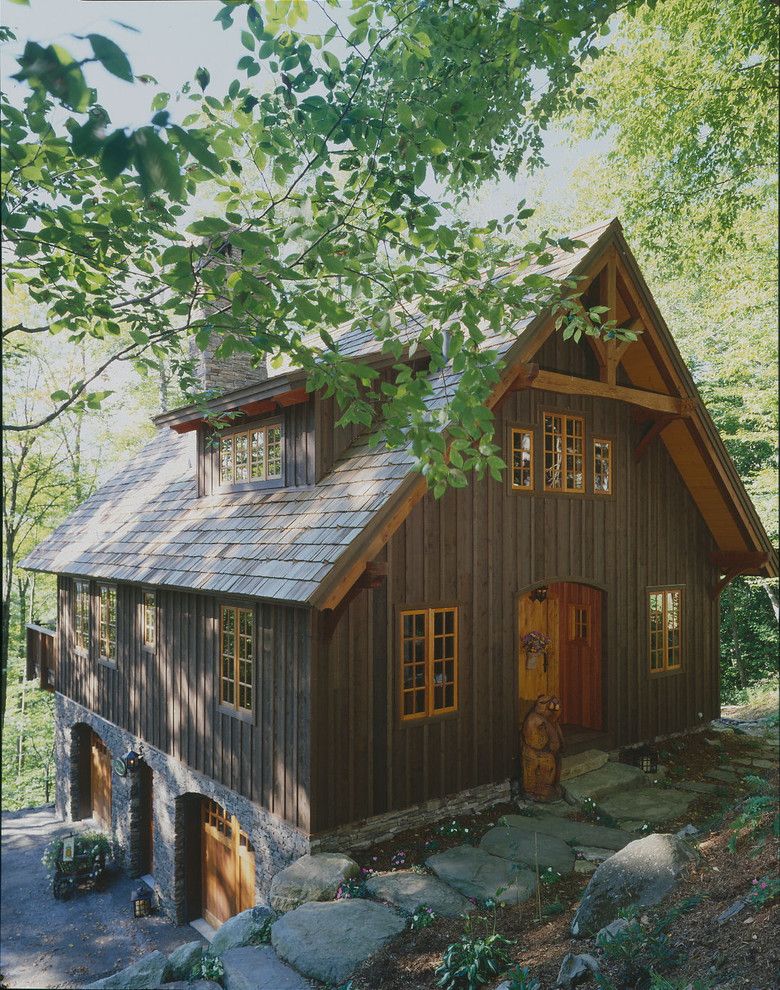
point(656, 428)
point(553, 381)
point(726, 559)
point(373, 575)
point(526, 377)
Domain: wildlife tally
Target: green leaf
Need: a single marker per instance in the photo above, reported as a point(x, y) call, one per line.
point(117, 152)
point(111, 56)
point(202, 77)
point(157, 165)
point(248, 40)
point(198, 148)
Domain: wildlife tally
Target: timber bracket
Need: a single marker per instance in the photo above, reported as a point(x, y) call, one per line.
point(736, 563)
point(374, 574)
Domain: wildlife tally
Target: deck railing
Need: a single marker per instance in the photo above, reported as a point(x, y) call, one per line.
point(42, 656)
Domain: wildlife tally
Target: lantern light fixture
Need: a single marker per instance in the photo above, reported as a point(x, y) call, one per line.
point(141, 898)
point(646, 758)
point(539, 594)
point(131, 760)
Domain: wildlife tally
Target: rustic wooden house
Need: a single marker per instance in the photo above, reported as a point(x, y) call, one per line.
point(307, 649)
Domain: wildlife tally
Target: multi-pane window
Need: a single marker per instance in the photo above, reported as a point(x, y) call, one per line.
point(255, 455)
point(81, 618)
point(665, 626)
point(237, 654)
point(580, 622)
point(216, 816)
point(150, 618)
point(564, 457)
point(522, 460)
point(107, 623)
point(429, 662)
point(602, 467)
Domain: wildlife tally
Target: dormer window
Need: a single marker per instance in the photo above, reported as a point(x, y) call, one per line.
point(251, 455)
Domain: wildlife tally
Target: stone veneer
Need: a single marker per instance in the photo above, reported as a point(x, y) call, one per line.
point(276, 842)
point(361, 834)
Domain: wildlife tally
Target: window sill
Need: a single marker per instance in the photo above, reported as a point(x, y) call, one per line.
point(248, 486)
point(111, 664)
point(411, 723)
point(237, 713)
point(666, 672)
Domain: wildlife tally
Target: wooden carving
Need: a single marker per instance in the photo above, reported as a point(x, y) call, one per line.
point(542, 743)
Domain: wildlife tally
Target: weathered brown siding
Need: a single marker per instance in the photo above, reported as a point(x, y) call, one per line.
point(478, 548)
point(168, 696)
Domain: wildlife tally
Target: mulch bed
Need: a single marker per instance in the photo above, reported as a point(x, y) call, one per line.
point(740, 955)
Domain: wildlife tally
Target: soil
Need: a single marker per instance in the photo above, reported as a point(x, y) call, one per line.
point(739, 955)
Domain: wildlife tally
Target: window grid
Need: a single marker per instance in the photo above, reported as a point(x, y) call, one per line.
point(107, 624)
point(254, 455)
point(150, 618)
point(665, 608)
point(236, 657)
point(429, 662)
point(580, 622)
point(81, 623)
point(522, 460)
point(216, 816)
point(564, 456)
point(602, 467)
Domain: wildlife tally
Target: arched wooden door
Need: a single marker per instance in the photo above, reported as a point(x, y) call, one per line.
point(228, 864)
point(570, 615)
point(100, 780)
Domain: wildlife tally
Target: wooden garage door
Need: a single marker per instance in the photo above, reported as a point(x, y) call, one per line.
point(100, 780)
point(228, 865)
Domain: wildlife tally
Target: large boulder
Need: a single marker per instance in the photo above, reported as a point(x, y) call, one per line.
point(641, 874)
point(328, 941)
point(311, 878)
point(192, 985)
point(242, 929)
point(572, 833)
point(183, 960)
point(530, 848)
point(407, 890)
point(575, 970)
point(475, 873)
point(148, 973)
point(259, 968)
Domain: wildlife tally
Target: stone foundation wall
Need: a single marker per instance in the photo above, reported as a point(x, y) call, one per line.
point(276, 843)
point(359, 835)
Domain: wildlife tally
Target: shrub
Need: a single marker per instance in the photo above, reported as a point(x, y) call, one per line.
point(472, 962)
point(520, 979)
point(550, 876)
point(454, 830)
point(94, 844)
point(348, 889)
point(211, 968)
point(423, 917)
point(764, 891)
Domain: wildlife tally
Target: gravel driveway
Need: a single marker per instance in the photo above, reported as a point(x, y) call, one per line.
point(48, 943)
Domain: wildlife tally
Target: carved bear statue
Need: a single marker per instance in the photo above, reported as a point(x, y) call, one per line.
point(542, 743)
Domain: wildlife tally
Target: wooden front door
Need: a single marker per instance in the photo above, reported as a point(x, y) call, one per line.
point(570, 616)
point(228, 858)
point(100, 780)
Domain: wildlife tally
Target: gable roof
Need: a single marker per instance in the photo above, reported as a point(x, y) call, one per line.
point(308, 545)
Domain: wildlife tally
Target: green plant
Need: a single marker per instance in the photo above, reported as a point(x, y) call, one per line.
point(211, 967)
point(454, 830)
point(764, 891)
point(351, 888)
point(472, 961)
point(423, 917)
point(94, 844)
point(520, 979)
point(263, 934)
point(550, 876)
point(550, 910)
point(592, 813)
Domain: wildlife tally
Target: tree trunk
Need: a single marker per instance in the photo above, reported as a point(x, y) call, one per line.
point(736, 645)
point(773, 590)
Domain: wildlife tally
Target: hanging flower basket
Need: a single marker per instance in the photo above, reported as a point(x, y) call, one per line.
point(535, 644)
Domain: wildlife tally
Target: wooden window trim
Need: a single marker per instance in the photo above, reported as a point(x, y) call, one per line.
point(600, 492)
point(102, 657)
point(430, 713)
point(666, 669)
point(81, 649)
point(234, 708)
point(565, 418)
point(246, 430)
point(513, 431)
point(574, 635)
point(150, 645)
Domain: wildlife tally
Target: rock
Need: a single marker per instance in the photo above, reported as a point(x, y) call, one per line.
point(329, 941)
point(757, 764)
point(642, 874)
point(612, 930)
point(576, 969)
point(475, 873)
point(612, 778)
point(592, 853)
point(727, 776)
point(241, 929)
point(192, 985)
point(252, 967)
point(580, 763)
point(148, 973)
point(730, 912)
point(584, 866)
point(183, 960)
point(652, 804)
point(697, 786)
point(523, 846)
point(407, 891)
point(311, 878)
point(687, 832)
point(581, 833)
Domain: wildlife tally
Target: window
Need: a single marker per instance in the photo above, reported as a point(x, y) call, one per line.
point(564, 461)
point(522, 460)
point(602, 467)
point(255, 455)
point(107, 625)
point(216, 816)
point(81, 619)
point(580, 623)
point(665, 624)
point(429, 662)
point(237, 642)
point(150, 618)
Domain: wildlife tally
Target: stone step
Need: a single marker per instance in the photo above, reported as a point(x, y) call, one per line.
point(611, 778)
point(582, 763)
point(259, 968)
